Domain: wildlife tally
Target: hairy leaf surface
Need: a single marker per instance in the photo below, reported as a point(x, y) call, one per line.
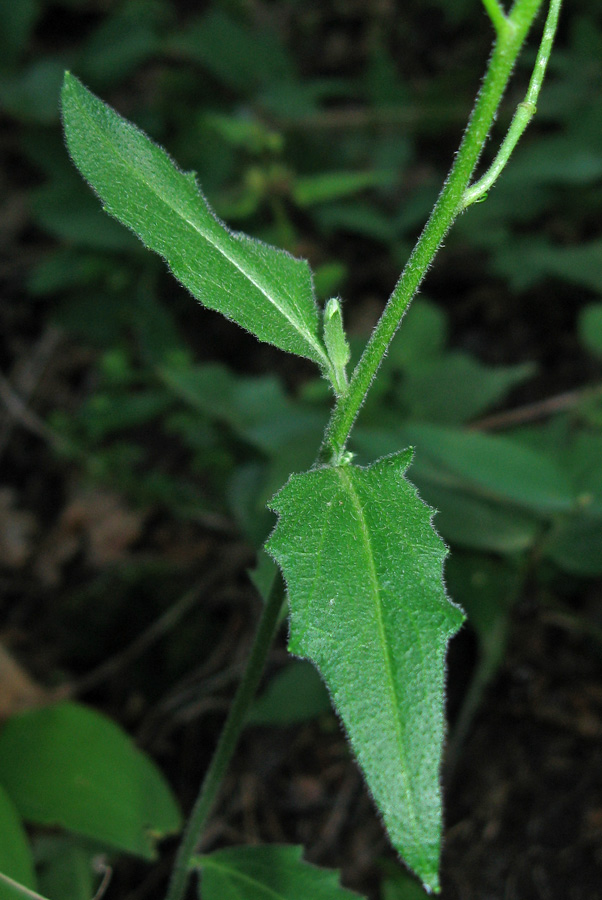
point(363, 568)
point(264, 289)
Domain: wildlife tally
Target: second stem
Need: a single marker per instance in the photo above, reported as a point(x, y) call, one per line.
point(448, 206)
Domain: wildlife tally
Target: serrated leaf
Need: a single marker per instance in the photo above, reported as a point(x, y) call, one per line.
point(67, 765)
point(363, 567)
point(268, 872)
point(264, 289)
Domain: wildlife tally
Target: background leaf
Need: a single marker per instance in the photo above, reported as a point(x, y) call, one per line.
point(295, 694)
point(499, 467)
point(16, 860)
point(398, 885)
point(65, 867)
point(590, 327)
point(270, 872)
point(575, 545)
point(17, 21)
point(67, 765)
point(469, 520)
point(243, 58)
point(256, 409)
point(329, 186)
point(363, 568)
point(456, 387)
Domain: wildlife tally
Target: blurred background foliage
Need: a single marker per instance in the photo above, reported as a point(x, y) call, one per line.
point(325, 128)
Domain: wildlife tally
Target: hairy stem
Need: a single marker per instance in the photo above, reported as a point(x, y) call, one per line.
point(505, 51)
point(228, 740)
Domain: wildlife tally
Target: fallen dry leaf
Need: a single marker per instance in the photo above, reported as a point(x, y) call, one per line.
point(18, 691)
point(96, 522)
point(109, 525)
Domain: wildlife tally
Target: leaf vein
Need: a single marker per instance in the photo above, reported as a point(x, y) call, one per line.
point(365, 535)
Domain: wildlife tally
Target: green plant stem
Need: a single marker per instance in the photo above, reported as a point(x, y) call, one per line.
point(524, 112)
point(496, 14)
point(505, 51)
point(228, 740)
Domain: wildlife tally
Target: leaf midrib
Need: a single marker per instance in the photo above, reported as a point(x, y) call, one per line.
point(365, 536)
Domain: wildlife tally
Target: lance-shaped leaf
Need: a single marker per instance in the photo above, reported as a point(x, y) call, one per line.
point(264, 289)
point(363, 568)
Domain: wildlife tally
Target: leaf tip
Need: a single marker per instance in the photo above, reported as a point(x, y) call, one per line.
point(69, 81)
point(431, 884)
point(69, 88)
point(425, 869)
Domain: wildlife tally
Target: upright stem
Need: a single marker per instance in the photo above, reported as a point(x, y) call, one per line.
point(228, 740)
point(505, 52)
point(511, 31)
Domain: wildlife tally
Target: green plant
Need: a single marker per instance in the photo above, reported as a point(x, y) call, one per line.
point(375, 623)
